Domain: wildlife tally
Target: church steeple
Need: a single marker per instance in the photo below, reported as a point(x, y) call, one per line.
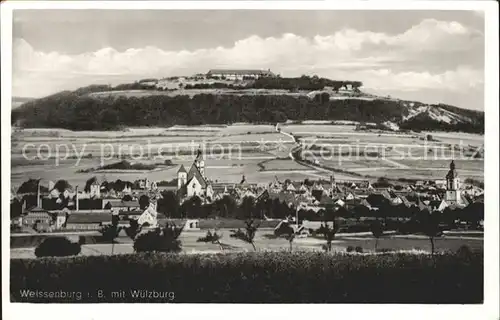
point(452, 185)
point(452, 177)
point(199, 162)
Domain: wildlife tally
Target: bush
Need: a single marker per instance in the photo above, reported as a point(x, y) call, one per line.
point(210, 237)
point(258, 277)
point(57, 247)
point(464, 252)
point(350, 249)
point(358, 249)
point(159, 240)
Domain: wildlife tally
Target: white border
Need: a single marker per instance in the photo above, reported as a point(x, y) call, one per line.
point(489, 310)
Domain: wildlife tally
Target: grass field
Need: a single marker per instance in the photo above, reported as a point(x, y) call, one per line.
point(266, 241)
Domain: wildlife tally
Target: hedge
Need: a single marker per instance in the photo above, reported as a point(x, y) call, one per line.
point(257, 277)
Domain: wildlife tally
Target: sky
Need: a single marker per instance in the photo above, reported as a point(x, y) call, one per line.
point(428, 56)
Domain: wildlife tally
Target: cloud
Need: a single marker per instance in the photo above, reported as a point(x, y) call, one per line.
point(367, 56)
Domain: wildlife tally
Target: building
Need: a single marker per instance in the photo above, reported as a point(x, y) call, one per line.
point(87, 221)
point(37, 215)
point(95, 189)
point(453, 193)
point(238, 74)
point(194, 182)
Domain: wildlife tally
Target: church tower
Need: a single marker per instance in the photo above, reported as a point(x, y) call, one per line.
point(200, 162)
point(452, 185)
point(181, 177)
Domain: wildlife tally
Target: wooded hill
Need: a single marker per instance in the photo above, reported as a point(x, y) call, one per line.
point(77, 110)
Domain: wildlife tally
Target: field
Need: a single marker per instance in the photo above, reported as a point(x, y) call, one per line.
point(235, 150)
point(261, 277)
point(266, 241)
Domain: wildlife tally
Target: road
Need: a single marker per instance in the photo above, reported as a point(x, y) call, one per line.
point(298, 146)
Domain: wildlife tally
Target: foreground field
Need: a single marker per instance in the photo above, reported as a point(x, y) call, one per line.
point(262, 277)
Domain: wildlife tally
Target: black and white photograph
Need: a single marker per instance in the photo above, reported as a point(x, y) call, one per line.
point(250, 155)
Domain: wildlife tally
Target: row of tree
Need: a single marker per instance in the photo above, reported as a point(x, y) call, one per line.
point(76, 112)
point(227, 207)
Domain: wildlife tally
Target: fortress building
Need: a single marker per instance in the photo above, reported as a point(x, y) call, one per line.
point(238, 74)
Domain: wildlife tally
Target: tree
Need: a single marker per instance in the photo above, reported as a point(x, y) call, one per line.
point(192, 207)
point(143, 202)
point(133, 229)
point(249, 234)
point(16, 209)
point(62, 185)
point(168, 204)
point(329, 233)
point(474, 213)
point(429, 225)
point(57, 247)
point(286, 230)
point(212, 238)
point(89, 183)
point(377, 231)
point(247, 208)
point(160, 240)
point(111, 231)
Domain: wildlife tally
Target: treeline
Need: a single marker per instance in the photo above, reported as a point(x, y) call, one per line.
point(303, 83)
point(71, 111)
point(249, 208)
point(74, 111)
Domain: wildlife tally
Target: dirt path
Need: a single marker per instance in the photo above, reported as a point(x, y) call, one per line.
point(314, 167)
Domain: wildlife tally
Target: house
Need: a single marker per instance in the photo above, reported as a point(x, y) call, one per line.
point(61, 218)
point(37, 215)
point(192, 224)
point(87, 221)
point(143, 184)
point(149, 216)
point(120, 205)
point(438, 205)
point(95, 189)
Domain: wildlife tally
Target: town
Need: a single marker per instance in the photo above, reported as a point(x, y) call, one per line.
point(193, 195)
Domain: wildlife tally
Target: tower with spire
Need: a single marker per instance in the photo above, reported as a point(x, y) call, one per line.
point(452, 185)
point(199, 162)
point(194, 182)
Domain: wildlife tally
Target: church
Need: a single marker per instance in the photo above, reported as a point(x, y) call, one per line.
point(453, 196)
point(194, 182)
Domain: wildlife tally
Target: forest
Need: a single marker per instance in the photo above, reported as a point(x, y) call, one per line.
point(78, 111)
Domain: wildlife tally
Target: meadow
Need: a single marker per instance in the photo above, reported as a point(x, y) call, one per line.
point(232, 151)
point(23, 246)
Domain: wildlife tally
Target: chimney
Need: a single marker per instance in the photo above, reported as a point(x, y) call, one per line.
point(77, 207)
point(23, 207)
point(38, 195)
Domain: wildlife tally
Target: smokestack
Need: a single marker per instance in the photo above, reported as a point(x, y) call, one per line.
point(38, 195)
point(76, 200)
